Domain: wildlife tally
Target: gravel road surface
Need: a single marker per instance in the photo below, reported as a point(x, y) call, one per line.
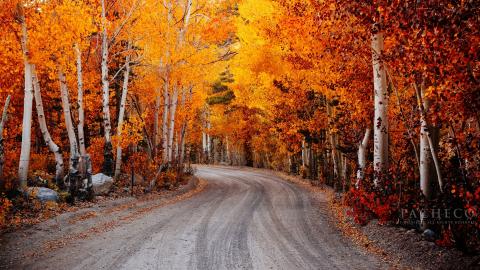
point(244, 219)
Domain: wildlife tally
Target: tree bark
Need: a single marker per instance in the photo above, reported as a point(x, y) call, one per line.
point(59, 166)
point(427, 148)
point(2, 125)
point(27, 109)
point(209, 141)
point(380, 153)
point(362, 157)
point(183, 130)
point(126, 74)
point(171, 128)
point(81, 111)
point(68, 115)
point(156, 121)
point(108, 155)
point(303, 154)
point(166, 101)
point(186, 20)
point(333, 145)
point(227, 151)
point(204, 145)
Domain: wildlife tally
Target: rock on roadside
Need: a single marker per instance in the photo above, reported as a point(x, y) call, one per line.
point(101, 184)
point(43, 194)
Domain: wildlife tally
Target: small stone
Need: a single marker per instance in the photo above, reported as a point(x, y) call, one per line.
point(43, 194)
point(429, 235)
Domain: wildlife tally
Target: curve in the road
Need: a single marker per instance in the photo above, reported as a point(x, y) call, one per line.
point(244, 219)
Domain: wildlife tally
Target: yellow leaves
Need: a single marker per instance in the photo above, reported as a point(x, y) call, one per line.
point(255, 10)
point(54, 31)
point(430, 92)
point(131, 132)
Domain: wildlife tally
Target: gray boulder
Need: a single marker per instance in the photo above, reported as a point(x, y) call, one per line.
point(101, 183)
point(43, 194)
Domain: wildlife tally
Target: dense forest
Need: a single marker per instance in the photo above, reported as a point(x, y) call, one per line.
point(378, 99)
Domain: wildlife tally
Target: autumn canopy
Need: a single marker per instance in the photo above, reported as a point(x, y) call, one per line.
point(378, 99)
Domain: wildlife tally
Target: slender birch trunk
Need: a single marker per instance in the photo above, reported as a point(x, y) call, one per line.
point(209, 142)
point(166, 101)
point(183, 130)
point(108, 155)
point(426, 161)
point(427, 148)
point(68, 116)
point(183, 135)
point(204, 145)
point(303, 153)
point(171, 128)
point(59, 166)
point(176, 149)
point(2, 125)
point(81, 111)
point(126, 74)
point(156, 123)
point(186, 20)
point(362, 157)
point(333, 144)
point(380, 153)
point(27, 109)
point(227, 150)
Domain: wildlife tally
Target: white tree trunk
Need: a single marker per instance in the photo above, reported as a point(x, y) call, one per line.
point(183, 135)
point(427, 149)
point(426, 161)
point(186, 20)
point(156, 121)
point(81, 112)
point(303, 154)
point(59, 172)
point(204, 145)
point(176, 150)
point(2, 125)
point(108, 156)
point(171, 128)
point(227, 150)
point(209, 140)
point(183, 130)
point(380, 153)
point(68, 116)
point(166, 101)
point(362, 157)
point(126, 74)
point(27, 111)
point(333, 145)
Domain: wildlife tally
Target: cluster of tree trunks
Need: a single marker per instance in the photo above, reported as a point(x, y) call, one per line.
point(173, 146)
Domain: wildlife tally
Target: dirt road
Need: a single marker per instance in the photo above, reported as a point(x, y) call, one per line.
point(244, 219)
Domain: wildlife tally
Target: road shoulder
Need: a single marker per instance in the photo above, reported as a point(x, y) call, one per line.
point(49, 236)
point(397, 246)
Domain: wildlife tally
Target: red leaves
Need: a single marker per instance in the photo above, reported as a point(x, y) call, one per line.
point(368, 205)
